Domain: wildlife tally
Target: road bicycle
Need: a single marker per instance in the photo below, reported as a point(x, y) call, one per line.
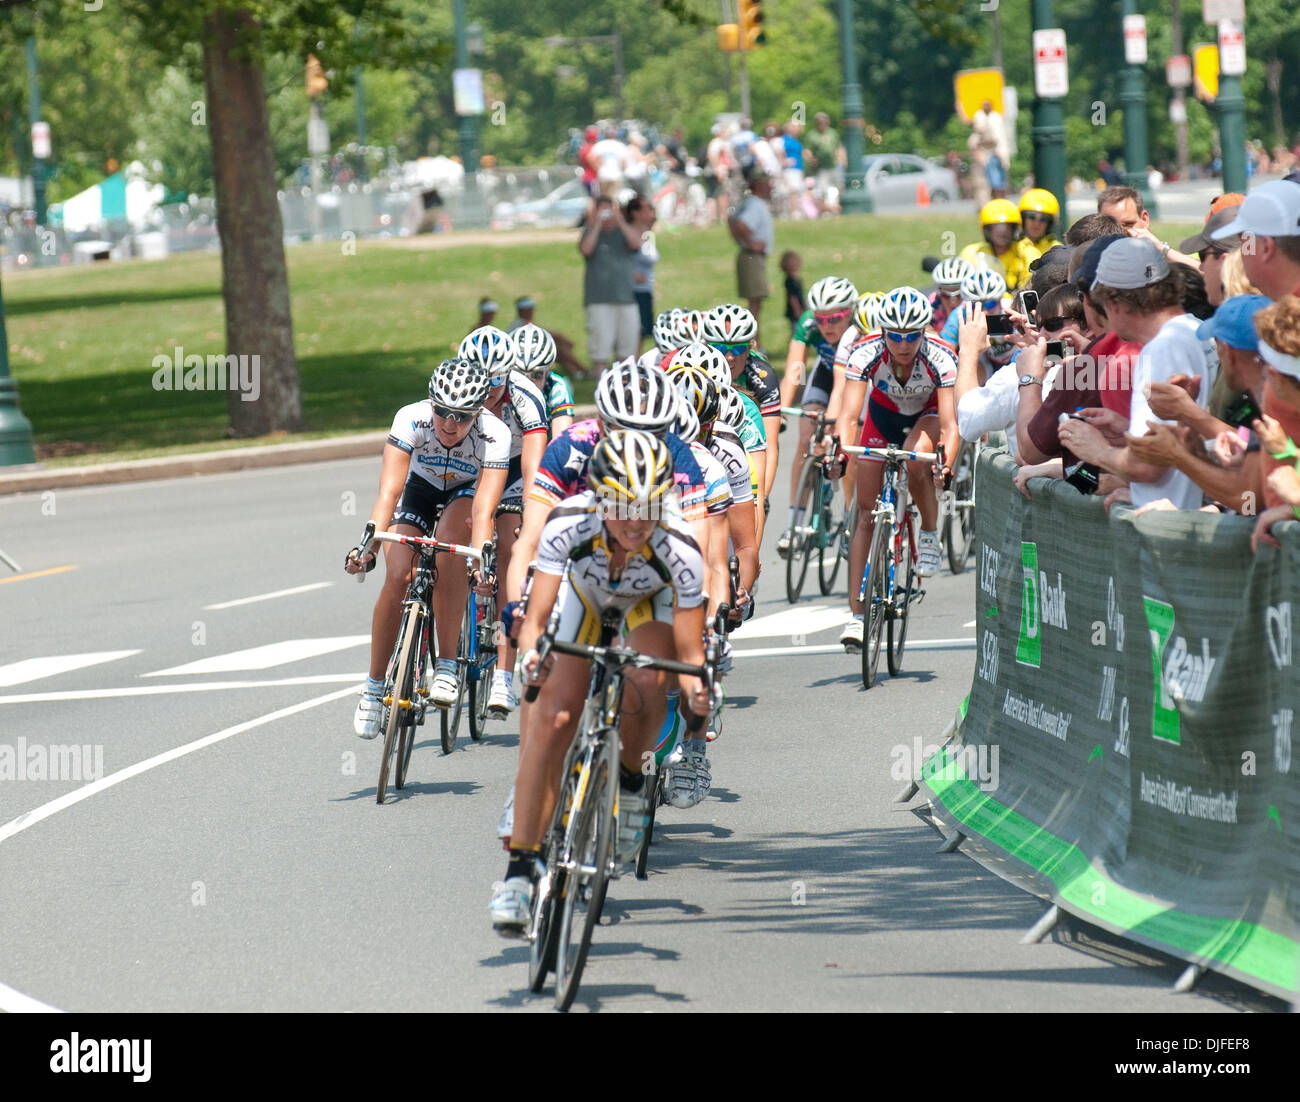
point(818, 521)
point(958, 506)
point(407, 682)
point(578, 851)
point(887, 591)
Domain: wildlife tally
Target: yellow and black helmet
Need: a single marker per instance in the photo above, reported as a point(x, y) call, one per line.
point(699, 390)
point(630, 467)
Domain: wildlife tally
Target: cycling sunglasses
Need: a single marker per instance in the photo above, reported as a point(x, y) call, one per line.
point(460, 416)
point(838, 315)
point(899, 338)
point(730, 349)
point(498, 380)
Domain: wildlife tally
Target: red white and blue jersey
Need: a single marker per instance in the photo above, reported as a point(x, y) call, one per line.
point(934, 368)
point(563, 469)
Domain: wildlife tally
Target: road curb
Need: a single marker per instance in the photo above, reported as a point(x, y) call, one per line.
point(36, 477)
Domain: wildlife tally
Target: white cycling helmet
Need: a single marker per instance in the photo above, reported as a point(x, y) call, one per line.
point(905, 309)
point(832, 293)
point(651, 357)
point(534, 351)
point(866, 315)
point(686, 427)
point(665, 330)
point(983, 285)
point(635, 396)
point(729, 324)
point(492, 347)
point(459, 385)
point(712, 362)
point(731, 410)
point(687, 326)
point(950, 271)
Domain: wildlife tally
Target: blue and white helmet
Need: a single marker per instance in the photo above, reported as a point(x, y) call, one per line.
point(491, 347)
point(534, 351)
point(905, 309)
point(983, 285)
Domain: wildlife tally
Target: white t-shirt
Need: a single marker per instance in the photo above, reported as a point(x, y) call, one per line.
point(611, 159)
point(754, 212)
point(1174, 350)
point(991, 407)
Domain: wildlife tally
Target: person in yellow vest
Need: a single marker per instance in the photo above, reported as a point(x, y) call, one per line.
point(1039, 213)
point(999, 251)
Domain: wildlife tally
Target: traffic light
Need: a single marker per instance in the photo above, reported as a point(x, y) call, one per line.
point(317, 82)
point(728, 38)
point(750, 20)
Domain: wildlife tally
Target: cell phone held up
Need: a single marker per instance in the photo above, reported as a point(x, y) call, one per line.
point(1000, 325)
point(1242, 410)
point(1084, 477)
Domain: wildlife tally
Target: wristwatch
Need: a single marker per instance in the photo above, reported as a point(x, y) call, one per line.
point(1030, 380)
point(1164, 248)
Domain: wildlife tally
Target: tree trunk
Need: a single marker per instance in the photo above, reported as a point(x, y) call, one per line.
point(255, 280)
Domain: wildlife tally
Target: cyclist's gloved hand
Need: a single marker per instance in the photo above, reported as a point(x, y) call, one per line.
point(511, 618)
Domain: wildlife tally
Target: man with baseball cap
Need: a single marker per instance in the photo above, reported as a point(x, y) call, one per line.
point(524, 308)
point(1142, 297)
point(1211, 253)
point(1269, 224)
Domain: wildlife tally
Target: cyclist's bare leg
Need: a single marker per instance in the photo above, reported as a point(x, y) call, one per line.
point(920, 480)
point(801, 456)
point(387, 618)
point(451, 590)
point(507, 534)
point(555, 715)
point(870, 477)
point(644, 701)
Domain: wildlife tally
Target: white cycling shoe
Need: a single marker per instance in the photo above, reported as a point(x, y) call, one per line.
point(446, 684)
point(502, 700)
point(511, 905)
point(369, 718)
point(851, 636)
point(927, 555)
point(688, 780)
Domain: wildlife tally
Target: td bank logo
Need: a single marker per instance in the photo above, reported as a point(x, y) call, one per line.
point(1041, 602)
point(1180, 674)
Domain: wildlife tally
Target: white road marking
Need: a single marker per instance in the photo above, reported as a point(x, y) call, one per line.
point(261, 658)
point(831, 648)
point(186, 687)
point(33, 669)
point(268, 596)
point(799, 620)
point(15, 1002)
point(12, 1000)
point(970, 625)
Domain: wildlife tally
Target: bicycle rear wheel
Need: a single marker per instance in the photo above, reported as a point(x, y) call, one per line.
point(959, 525)
point(830, 553)
point(419, 701)
point(896, 623)
point(806, 508)
point(450, 716)
point(543, 935)
point(401, 683)
point(875, 601)
point(586, 858)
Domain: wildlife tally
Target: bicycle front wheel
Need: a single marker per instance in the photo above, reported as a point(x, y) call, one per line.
point(875, 601)
point(401, 684)
point(806, 507)
point(586, 859)
point(480, 674)
point(655, 784)
point(896, 624)
point(959, 525)
point(419, 701)
point(450, 716)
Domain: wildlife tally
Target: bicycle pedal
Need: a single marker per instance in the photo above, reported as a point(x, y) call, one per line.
point(917, 595)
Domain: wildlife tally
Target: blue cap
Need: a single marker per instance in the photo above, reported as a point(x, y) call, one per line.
point(1234, 322)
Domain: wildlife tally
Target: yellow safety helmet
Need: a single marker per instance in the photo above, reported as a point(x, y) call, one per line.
point(999, 211)
point(1040, 201)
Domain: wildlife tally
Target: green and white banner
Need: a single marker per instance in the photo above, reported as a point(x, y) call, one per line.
point(1135, 683)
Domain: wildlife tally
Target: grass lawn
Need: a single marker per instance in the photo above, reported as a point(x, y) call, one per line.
point(368, 327)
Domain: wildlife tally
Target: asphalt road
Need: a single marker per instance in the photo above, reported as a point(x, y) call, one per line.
point(233, 857)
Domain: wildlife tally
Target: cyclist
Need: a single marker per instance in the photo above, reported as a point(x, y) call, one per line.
point(829, 316)
point(535, 351)
point(987, 288)
point(522, 409)
point(732, 330)
point(947, 276)
point(619, 545)
point(1000, 223)
point(1039, 213)
point(866, 320)
point(444, 469)
point(911, 375)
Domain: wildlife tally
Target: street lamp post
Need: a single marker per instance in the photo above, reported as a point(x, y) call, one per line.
point(34, 109)
point(1133, 102)
point(471, 213)
point(1049, 124)
point(15, 429)
point(855, 199)
point(616, 40)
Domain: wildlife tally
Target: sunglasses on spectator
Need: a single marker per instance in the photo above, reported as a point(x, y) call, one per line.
point(1205, 254)
point(1055, 325)
point(838, 315)
point(1025, 215)
point(730, 349)
point(460, 416)
point(898, 338)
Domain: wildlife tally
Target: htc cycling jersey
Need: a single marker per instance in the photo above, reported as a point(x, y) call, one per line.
point(563, 469)
point(726, 448)
point(717, 489)
point(934, 368)
point(486, 445)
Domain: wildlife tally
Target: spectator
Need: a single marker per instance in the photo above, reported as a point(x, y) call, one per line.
point(1269, 220)
point(608, 244)
point(1235, 281)
point(1050, 270)
point(587, 162)
point(1212, 253)
point(826, 154)
point(640, 215)
point(751, 227)
point(610, 158)
point(791, 263)
point(720, 162)
point(1125, 205)
point(1279, 346)
point(487, 310)
point(990, 149)
point(524, 308)
point(1142, 297)
point(793, 161)
point(1090, 227)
